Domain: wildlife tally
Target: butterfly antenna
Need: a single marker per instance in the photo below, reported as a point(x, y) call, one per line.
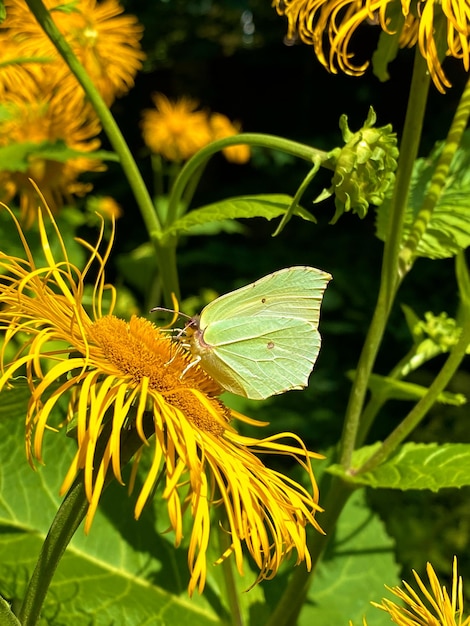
point(176, 312)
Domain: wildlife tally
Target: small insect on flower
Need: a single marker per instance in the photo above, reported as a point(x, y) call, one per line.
point(261, 340)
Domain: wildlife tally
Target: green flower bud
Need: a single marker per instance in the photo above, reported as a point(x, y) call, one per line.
point(364, 167)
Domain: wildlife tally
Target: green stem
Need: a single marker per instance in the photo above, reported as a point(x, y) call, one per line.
point(390, 276)
point(297, 198)
point(420, 409)
point(68, 518)
point(293, 598)
point(376, 401)
point(236, 618)
point(200, 159)
point(165, 260)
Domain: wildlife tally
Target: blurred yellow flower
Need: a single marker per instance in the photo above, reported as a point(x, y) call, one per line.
point(222, 127)
point(126, 379)
point(16, 73)
point(329, 26)
point(31, 119)
point(105, 41)
point(177, 130)
point(432, 607)
point(105, 206)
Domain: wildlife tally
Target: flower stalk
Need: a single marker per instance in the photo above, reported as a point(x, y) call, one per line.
point(166, 257)
point(390, 276)
point(67, 520)
point(196, 163)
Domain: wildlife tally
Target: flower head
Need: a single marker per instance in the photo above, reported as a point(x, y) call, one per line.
point(364, 167)
point(222, 127)
point(47, 127)
point(329, 25)
point(178, 129)
point(105, 42)
point(128, 381)
point(431, 607)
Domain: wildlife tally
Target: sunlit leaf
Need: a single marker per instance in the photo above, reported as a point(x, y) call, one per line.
point(361, 559)
point(124, 572)
point(448, 230)
point(413, 466)
point(267, 206)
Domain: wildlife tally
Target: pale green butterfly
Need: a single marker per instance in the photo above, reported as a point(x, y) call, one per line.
point(263, 339)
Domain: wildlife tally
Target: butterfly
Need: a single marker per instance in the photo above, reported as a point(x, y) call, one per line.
point(262, 339)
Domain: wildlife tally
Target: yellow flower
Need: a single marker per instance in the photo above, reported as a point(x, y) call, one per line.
point(32, 119)
point(125, 379)
point(105, 42)
point(15, 76)
point(329, 26)
point(176, 130)
point(433, 607)
point(223, 127)
point(105, 206)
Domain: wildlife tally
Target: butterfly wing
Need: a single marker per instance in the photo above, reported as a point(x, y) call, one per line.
point(293, 292)
point(258, 357)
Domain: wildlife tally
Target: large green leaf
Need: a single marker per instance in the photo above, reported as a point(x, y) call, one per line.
point(414, 466)
point(123, 572)
point(448, 230)
point(268, 206)
point(353, 573)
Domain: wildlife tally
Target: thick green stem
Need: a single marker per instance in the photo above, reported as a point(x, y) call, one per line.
point(68, 518)
point(390, 276)
point(233, 600)
point(166, 259)
point(292, 600)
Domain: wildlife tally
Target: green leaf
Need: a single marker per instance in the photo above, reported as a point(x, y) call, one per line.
point(448, 230)
point(124, 572)
point(268, 206)
point(18, 157)
point(393, 389)
point(7, 618)
point(354, 571)
point(414, 466)
point(388, 45)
